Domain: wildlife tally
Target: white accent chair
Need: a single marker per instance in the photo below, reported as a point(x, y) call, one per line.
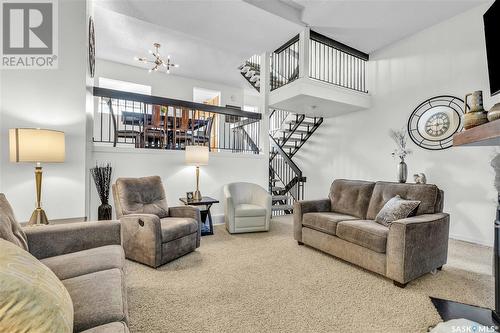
point(247, 208)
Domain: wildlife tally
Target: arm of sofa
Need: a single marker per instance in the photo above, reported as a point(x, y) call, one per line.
point(190, 212)
point(53, 240)
point(141, 238)
point(417, 245)
point(228, 210)
point(302, 207)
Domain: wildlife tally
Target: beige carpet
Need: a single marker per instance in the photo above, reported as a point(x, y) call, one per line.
point(265, 282)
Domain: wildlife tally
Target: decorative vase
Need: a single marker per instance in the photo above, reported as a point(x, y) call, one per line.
point(402, 171)
point(104, 212)
point(494, 112)
point(476, 115)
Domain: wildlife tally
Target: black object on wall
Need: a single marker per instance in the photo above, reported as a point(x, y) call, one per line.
point(492, 32)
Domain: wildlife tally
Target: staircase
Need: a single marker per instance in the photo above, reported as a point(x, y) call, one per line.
point(288, 133)
point(250, 70)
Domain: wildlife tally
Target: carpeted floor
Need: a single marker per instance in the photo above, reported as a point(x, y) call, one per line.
point(265, 282)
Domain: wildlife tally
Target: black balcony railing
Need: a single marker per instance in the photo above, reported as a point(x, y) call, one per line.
point(144, 121)
point(336, 63)
point(285, 64)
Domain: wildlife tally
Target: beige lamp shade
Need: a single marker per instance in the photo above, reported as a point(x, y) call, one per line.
point(197, 155)
point(36, 145)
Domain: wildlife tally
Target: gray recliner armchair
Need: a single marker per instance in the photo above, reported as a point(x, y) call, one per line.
point(152, 232)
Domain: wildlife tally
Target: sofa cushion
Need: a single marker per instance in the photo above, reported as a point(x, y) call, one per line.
point(243, 210)
point(366, 233)
point(98, 298)
point(325, 221)
point(116, 327)
point(69, 265)
point(427, 194)
point(177, 227)
point(10, 229)
point(144, 195)
point(32, 299)
point(395, 209)
point(351, 197)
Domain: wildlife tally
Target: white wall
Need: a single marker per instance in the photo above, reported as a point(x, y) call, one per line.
point(178, 178)
point(53, 99)
point(448, 58)
point(166, 85)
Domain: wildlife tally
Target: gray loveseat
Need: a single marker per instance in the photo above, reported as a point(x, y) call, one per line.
point(88, 259)
point(343, 225)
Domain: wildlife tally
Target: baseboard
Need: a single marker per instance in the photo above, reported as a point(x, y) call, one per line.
point(471, 240)
point(218, 219)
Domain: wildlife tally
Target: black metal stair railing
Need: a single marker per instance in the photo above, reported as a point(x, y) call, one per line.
point(285, 64)
point(288, 133)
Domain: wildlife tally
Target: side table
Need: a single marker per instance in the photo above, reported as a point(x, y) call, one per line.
point(207, 202)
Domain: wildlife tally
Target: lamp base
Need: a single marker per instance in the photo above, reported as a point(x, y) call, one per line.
point(38, 217)
point(197, 195)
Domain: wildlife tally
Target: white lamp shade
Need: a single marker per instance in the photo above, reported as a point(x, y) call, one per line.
point(36, 145)
point(197, 155)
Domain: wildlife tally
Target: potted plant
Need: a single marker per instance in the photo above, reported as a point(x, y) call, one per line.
point(102, 179)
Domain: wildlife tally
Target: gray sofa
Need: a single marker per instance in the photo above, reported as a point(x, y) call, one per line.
point(343, 225)
point(152, 232)
point(88, 259)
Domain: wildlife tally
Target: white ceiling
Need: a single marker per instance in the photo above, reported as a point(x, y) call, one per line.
point(369, 25)
point(210, 38)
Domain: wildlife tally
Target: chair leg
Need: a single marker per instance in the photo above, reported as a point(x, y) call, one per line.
point(440, 268)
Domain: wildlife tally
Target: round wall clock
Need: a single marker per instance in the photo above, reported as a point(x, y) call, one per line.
point(433, 123)
point(91, 47)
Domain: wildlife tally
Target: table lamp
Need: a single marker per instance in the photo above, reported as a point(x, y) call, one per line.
point(197, 156)
point(34, 145)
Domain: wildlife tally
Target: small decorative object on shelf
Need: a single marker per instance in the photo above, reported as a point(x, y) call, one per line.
point(401, 151)
point(102, 179)
point(476, 115)
point(189, 195)
point(494, 112)
point(420, 178)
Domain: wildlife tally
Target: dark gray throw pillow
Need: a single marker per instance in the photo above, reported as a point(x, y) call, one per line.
point(395, 209)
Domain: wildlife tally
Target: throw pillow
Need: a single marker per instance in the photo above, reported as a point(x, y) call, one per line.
point(32, 298)
point(10, 229)
point(395, 209)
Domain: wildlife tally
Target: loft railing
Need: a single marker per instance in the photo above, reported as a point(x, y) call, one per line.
point(336, 63)
point(329, 61)
point(145, 121)
point(285, 64)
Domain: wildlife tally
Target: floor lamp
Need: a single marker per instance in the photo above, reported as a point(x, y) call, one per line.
point(34, 145)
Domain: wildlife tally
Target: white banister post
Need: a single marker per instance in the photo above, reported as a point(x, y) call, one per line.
point(265, 87)
point(304, 53)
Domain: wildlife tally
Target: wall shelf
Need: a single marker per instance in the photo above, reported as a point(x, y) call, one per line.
point(484, 135)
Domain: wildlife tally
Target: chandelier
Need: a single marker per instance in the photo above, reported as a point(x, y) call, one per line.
point(158, 61)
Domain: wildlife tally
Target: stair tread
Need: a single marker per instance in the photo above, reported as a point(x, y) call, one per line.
point(282, 207)
point(297, 131)
point(280, 197)
point(277, 188)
